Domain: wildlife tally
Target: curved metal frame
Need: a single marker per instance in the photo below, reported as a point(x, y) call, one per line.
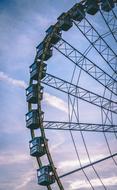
point(95, 72)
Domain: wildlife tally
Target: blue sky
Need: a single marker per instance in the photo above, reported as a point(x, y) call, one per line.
point(22, 28)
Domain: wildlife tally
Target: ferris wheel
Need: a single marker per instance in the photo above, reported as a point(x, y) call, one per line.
point(86, 78)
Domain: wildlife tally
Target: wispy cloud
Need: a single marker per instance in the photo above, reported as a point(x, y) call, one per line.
point(55, 147)
point(42, 20)
point(14, 82)
point(55, 102)
point(64, 165)
point(110, 181)
point(48, 98)
point(8, 158)
point(26, 178)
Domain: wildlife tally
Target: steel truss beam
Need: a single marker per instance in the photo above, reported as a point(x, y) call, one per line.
point(88, 165)
point(80, 93)
point(98, 42)
point(87, 65)
point(111, 21)
point(89, 127)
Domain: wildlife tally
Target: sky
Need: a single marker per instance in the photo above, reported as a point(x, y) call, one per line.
point(22, 27)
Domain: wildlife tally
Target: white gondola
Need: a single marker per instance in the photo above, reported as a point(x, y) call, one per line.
point(45, 176)
point(107, 5)
point(65, 23)
point(92, 7)
point(34, 119)
point(37, 148)
point(40, 51)
point(34, 70)
point(33, 93)
point(55, 38)
point(78, 13)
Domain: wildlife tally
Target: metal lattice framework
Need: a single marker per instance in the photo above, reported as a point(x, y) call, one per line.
point(80, 60)
point(57, 125)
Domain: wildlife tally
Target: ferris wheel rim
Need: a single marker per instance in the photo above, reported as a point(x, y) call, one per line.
point(47, 44)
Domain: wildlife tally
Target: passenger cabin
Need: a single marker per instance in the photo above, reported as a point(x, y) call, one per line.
point(107, 5)
point(45, 176)
point(32, 93)
point(65, 22)
point(35, 68)
point(40, 52)
point(37, 148)
point(92, 7)
point(78, 13)
point(55, 38)
point(33, 121)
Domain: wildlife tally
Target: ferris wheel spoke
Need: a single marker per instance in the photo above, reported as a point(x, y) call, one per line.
point(111, 21)
point(82, 93)
point(87, 65)
point(88, 165)
point(98, 42)
point(73, 126)
point(84, 142)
